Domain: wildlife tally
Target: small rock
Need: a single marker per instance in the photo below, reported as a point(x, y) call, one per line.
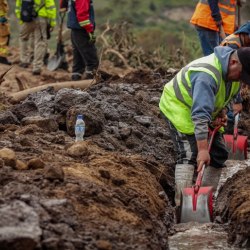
point(54, 202)
point(144, 120)
point(53, 173)
point(78, 149)
point(8, 118)
point(8, 156)
point(20, 165)
point(47, 124)
point(30, 129)
point(162, 194)
point(125, 133)
point(103, 245)
point(35, 163)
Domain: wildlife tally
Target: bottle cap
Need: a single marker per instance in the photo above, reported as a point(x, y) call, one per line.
point(79, 116)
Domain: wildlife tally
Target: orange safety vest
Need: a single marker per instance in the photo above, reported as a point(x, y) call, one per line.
point(202, 15)
point(232, 39)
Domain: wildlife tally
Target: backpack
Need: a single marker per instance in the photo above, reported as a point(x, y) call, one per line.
point(28, 13)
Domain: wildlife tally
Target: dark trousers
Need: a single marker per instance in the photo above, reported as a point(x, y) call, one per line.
point(186, 148)
point(84, 52)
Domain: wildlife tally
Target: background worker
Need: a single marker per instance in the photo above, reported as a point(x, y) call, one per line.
point(194, 98)
point(209, 17)
point(82, 24)
point(43, 13)
point(240, 38)
point(4, 32)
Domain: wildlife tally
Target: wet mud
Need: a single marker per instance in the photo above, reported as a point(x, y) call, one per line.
point(114, 190)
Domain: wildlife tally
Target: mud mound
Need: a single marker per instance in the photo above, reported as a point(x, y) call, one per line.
point(103, 193)
point(78, 194)
point(233, 205)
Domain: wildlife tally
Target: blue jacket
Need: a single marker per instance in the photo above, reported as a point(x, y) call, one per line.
point(203, 98)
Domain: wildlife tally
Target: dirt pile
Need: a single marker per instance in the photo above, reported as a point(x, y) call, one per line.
point(233, 206)
point(114, 190)
point(103, 193)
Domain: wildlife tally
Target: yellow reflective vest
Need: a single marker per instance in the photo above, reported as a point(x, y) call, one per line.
point(45, 8)
point(176, 100)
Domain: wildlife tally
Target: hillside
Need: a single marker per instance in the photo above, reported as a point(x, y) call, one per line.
point(156, 24)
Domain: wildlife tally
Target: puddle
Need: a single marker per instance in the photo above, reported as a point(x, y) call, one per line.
point(197, 236)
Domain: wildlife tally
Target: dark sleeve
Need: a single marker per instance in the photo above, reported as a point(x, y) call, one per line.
point(63, 4)
point(213, 4)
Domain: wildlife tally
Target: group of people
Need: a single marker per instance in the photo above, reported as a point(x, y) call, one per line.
point(197, 99)
point(37, 19)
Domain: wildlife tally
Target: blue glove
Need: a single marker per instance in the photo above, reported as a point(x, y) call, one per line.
point(3, 19)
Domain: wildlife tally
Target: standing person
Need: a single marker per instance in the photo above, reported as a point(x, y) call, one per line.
point(4, 32)
point(193, 100)
point(81, 21)
point(209, 17)
point(34, 16)
point(240, 38)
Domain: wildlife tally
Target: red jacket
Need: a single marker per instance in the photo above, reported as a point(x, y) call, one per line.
point(81, 14)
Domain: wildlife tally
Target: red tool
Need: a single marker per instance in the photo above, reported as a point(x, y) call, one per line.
point(236, 144)
point(197, 201)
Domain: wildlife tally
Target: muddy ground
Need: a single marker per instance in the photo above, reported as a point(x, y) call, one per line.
point(114, 190)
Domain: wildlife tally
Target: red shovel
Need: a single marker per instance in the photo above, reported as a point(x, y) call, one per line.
point(236, 144)
point(197, 201)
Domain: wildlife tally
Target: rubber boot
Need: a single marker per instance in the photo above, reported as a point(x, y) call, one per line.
point(183, 178)
point(211, 177)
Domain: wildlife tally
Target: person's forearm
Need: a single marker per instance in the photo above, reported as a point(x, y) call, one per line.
point(202, 145)
point(200, 128)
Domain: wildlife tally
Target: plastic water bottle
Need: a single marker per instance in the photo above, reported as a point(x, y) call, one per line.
point(79, 128)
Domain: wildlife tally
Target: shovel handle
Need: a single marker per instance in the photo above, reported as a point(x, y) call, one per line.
point(236, 122)
point(200, 174)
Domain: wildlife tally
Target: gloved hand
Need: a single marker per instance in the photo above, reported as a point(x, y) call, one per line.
point(3, 19)
point(221, 119)
point(92, 37)
point(219, 23)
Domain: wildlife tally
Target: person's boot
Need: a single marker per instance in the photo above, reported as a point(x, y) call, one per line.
point(76, 77)
point(183, 178)
point(211, 177)
point(88, 75)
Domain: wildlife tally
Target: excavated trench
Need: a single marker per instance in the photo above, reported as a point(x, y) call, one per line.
point(115, 189)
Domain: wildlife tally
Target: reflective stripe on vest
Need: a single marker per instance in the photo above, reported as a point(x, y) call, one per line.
point(202, 15)
point(232, 39)
point(176, 100)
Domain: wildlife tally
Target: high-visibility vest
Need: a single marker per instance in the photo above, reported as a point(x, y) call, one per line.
point(45, 8)
point(202, 15)
point(232, 39)
point(176, 100)
point(3, 8)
